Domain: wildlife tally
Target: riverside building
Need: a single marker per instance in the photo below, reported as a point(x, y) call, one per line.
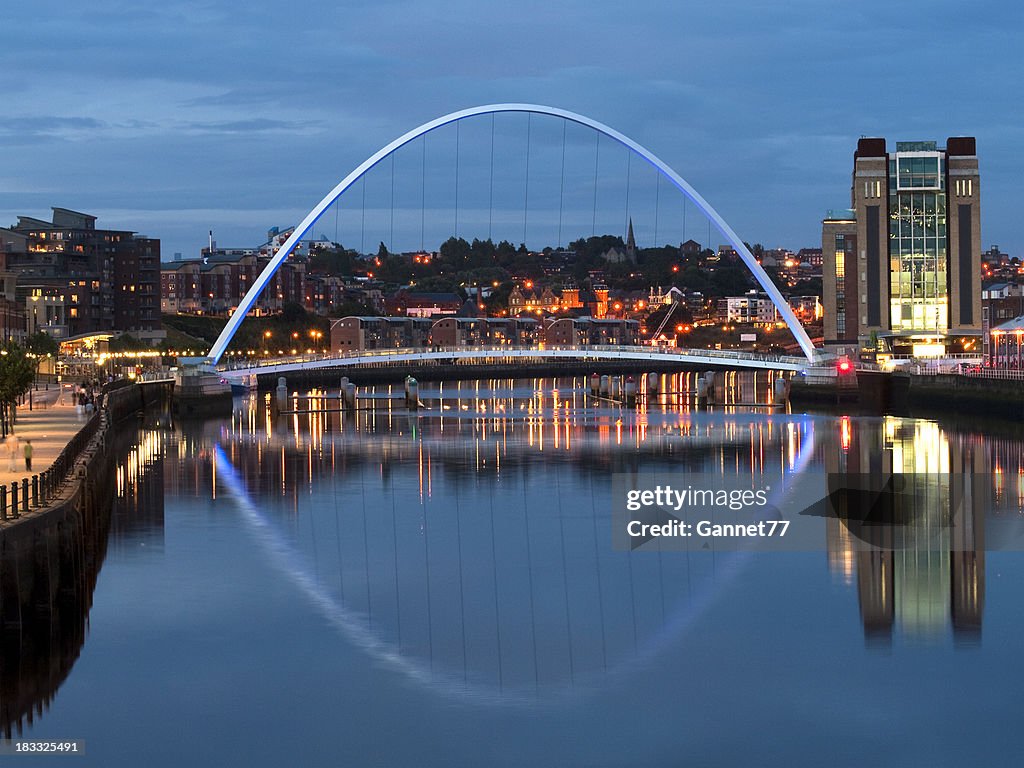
point(902, 265)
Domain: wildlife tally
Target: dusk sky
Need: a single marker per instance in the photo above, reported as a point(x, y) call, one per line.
point(175, 118)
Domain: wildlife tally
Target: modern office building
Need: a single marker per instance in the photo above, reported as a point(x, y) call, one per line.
point(902, 266)
point(12, 314)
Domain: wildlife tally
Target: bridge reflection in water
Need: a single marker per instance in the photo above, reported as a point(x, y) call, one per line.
point(469, 546)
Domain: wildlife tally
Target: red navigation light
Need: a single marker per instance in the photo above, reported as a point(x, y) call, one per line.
point(844, 366)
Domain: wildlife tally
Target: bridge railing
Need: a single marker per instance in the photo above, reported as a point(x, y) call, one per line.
point(973, 372)
point(584, 350)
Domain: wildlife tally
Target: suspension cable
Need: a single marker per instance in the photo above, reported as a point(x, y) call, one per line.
point(490, 187)
point(657, 201)
point(458, 125)
point(423, 195)
point(391, 234)
point(526, 186)
point(362, 221)
point(629, 167)
point(597, 162)
point(561, 189)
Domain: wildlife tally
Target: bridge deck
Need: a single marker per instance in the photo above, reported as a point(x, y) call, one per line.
point(496, 355)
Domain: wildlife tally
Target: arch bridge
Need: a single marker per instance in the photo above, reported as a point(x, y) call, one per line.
point(785, 311)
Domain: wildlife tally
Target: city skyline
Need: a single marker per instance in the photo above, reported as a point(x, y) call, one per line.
point(192, 119)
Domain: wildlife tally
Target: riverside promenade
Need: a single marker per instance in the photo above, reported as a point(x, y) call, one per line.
point(49, 425)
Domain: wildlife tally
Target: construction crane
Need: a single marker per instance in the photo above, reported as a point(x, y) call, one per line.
point(664, 321)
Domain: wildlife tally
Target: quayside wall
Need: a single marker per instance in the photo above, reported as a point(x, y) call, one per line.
point(50, 558)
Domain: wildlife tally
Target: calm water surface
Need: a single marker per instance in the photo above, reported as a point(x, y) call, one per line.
point(440, 589)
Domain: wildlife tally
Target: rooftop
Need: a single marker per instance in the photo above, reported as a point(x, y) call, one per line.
point(1011, 326)
point(916, 146)
point(840, 214)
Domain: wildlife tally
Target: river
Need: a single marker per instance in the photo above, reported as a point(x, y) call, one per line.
point(442, 589)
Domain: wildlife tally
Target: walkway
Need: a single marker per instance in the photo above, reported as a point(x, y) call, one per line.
point(49, 426)
point(732, 359)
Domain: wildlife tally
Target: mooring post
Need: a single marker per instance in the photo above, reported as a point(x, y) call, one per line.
point(709, 386)
point(412, 393)
point(781, 391)
point(629, 390)
point(282, 392)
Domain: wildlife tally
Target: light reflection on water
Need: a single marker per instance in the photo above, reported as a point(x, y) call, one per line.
point(468, 545)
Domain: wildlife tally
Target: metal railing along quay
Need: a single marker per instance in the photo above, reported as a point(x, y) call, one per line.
point(1009, 374)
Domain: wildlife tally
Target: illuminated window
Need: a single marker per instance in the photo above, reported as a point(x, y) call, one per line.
point(965, 187)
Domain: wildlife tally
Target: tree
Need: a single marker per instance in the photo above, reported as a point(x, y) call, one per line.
point(593, 247)
point(349, 308)
point(292, 311)
point(498, 300)
point(128, 343)
point(41, 345)
point(730, 280)
point(505, 253)
point(333, 261)
point(455, 252)
point(17, 372)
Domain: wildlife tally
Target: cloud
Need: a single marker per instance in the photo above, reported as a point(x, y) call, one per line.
point(184, 106)
point(28, 129)
point(252, 125)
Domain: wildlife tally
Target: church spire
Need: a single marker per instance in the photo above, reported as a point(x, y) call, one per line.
point(630, 240)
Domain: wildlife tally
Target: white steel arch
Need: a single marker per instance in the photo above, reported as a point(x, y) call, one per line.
point(218, 348)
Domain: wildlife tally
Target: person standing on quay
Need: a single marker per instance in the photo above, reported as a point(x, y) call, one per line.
point(28, 455)
point(12, 449)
